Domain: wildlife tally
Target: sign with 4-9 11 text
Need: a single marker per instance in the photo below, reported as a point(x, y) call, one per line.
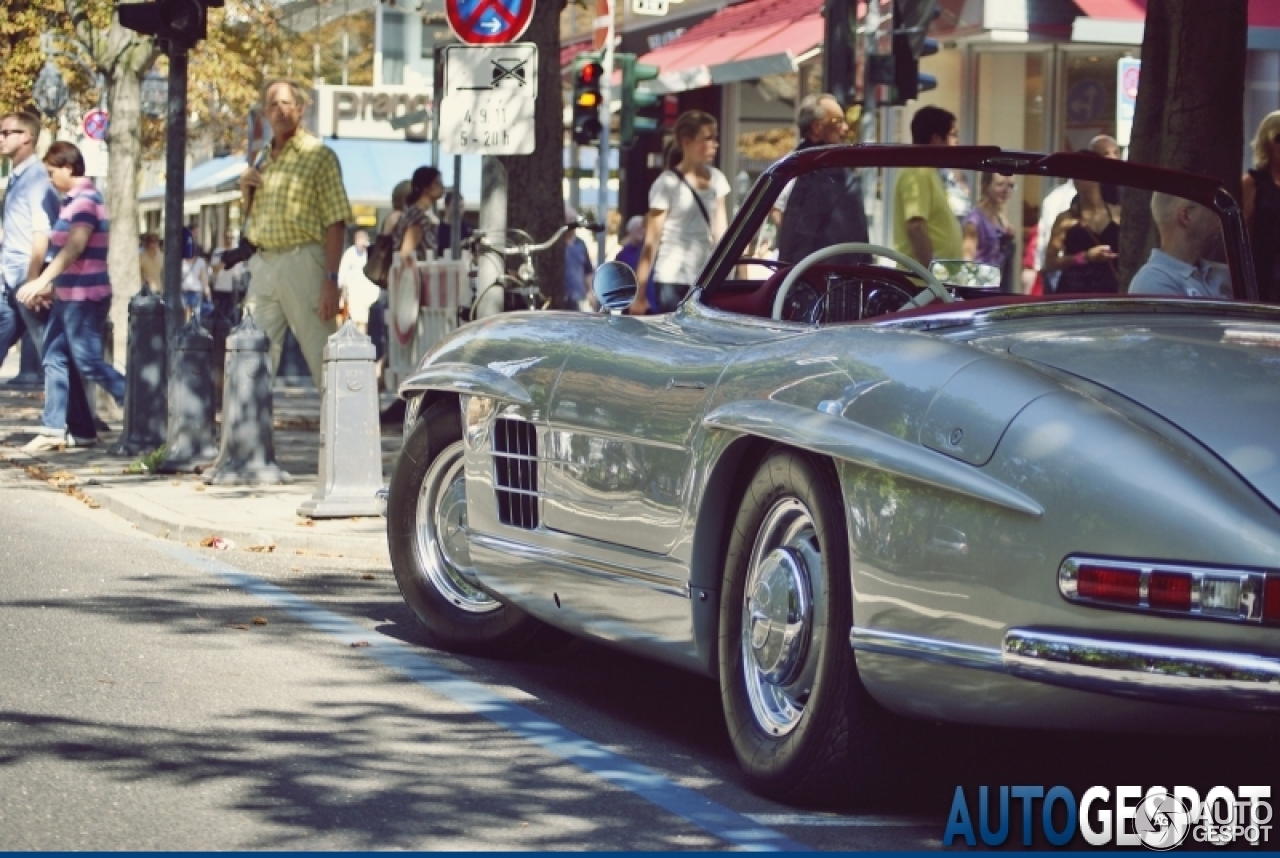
point(489, 97)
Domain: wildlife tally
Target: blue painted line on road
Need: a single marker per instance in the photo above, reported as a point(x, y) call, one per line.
point(715, 819)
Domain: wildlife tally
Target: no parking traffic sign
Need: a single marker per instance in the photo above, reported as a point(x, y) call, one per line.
point(95, 125)
point(488, 22)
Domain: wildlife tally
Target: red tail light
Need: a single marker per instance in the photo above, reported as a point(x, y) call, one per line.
point(1169, 591)
point(1271, 600)
point(1217, 593)
point(1110, 585)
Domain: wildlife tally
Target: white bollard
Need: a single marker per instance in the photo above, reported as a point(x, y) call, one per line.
point(350, 435)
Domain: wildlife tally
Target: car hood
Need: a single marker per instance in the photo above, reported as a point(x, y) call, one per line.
point(1219, 382)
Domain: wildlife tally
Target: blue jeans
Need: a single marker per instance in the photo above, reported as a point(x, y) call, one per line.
point(15, 319)
point(73, 353)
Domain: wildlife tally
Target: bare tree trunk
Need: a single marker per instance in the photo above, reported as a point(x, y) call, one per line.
point(124, 142)
point(1190, 110)
point(535, 196)
point(121, 56)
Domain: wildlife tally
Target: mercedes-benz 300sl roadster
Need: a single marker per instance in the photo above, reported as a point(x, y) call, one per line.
point(855, 489)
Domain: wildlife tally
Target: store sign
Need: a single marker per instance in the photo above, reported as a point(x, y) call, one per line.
point(650, 7)
point(1127, 73)
point(366, 112)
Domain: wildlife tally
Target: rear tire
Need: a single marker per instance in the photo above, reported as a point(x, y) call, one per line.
point(426, 536)
point(801, 724)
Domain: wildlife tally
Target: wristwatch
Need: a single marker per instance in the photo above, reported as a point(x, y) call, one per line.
point(333, 276)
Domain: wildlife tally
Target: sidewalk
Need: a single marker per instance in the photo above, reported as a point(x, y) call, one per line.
point(181, 507)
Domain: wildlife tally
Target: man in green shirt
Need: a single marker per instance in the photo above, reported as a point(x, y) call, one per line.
point(298, 223)
point(924, 227)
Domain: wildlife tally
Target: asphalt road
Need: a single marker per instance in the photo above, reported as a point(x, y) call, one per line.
point(156, 696)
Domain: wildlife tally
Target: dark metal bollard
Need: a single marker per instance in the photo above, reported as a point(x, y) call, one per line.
point(247, 454)
point(219, 328)
point(189, 439)
point(350, 434)
point(146, 366)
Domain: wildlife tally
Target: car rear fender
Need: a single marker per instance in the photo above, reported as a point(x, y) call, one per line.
point(845, 440)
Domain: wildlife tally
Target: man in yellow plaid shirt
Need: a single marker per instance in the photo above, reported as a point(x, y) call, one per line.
point(298, 211)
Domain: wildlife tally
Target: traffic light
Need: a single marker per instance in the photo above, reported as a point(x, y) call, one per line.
point(634, 100)
point(181, 22)
point(911, 19)
point(588, 75)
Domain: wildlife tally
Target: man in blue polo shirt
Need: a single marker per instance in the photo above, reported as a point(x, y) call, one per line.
point(31, 208)
point(1177, 267)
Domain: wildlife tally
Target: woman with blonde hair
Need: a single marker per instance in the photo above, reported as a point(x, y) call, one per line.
point(987, 235)
point(1261, 187)
point(686, 214)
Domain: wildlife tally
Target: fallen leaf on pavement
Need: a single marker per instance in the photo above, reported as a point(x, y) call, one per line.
point(295, 568)
point(306, 522)
point(241, 626)
point(198, 487)
point(261, 549)
point(359, 643)
point(368, 576)
point(217, 542)
point(259, 621)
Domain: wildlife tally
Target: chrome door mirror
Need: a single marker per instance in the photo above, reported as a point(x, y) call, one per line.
point(964, 272)
point(615, 286)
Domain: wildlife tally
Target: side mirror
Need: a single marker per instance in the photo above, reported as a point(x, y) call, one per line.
point(964, 272)
point(615, 286)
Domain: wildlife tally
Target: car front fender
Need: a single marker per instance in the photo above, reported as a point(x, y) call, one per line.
point(467, 379)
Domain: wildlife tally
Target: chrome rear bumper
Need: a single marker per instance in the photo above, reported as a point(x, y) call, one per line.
point(1198, 677)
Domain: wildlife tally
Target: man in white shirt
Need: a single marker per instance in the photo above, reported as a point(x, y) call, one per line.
point(1187, 231)
point(358, 291)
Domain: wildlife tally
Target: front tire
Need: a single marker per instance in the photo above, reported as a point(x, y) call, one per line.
point(427, 539)
point(796, 712)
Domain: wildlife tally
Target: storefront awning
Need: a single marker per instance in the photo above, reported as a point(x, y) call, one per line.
point(742, 42)
point(1121, 22)
point(213, 177)
point(372, 168)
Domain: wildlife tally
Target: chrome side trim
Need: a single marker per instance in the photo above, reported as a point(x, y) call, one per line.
point(1165, 674)
point(467, 379)
point(582, 565)
point(852, 442)
point(1216, 679)
point(926, 649)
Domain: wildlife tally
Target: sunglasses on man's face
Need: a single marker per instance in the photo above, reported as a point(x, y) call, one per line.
point(5, 132)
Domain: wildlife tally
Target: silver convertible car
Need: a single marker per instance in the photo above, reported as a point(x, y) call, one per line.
point(856, 491)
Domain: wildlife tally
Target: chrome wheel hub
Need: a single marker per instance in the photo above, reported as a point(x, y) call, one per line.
point(444, 551)
point(780, 616)
point(780, 635)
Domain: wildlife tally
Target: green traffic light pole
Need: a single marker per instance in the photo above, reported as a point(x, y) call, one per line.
point(174, 186)
point(602, 167)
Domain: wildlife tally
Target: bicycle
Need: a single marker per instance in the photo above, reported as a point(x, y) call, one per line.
point(521, 290)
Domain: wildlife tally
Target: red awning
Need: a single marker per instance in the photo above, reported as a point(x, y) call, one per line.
point(741, 42)
point(1262, 13)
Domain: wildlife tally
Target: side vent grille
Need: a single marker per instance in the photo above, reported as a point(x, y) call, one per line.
point(515, 472)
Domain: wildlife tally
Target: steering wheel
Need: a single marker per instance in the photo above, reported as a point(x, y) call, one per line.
point(933, 288)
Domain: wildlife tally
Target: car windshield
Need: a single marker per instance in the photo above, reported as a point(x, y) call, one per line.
point(826, 244)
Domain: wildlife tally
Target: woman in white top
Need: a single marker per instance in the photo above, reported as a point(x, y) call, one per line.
point(195, 283)
point(686, 214)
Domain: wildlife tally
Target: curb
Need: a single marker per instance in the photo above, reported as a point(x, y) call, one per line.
point(346, 545)
point(366, 546)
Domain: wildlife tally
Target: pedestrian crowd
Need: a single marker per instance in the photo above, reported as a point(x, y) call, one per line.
point(303, 274)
